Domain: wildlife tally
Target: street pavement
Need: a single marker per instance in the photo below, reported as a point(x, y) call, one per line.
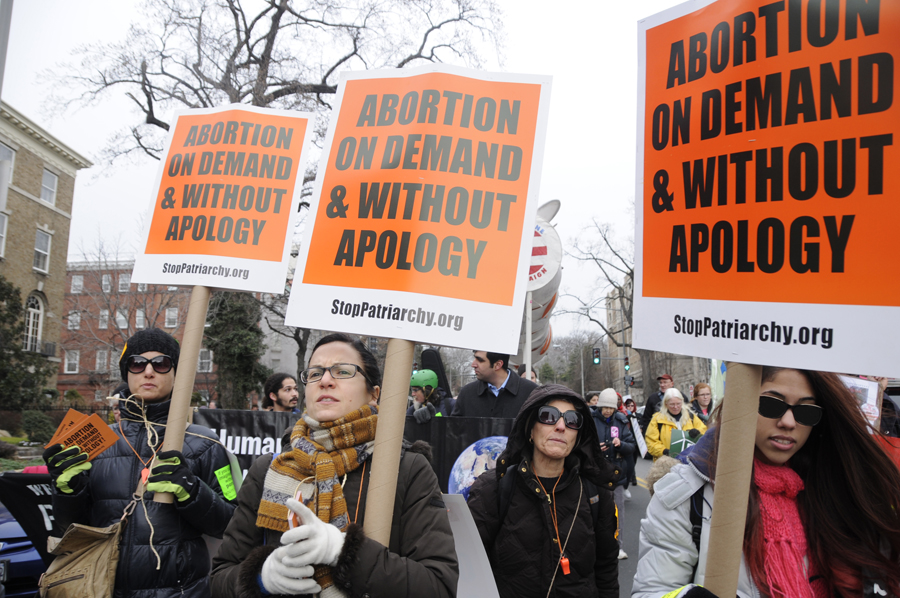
point(631, 527)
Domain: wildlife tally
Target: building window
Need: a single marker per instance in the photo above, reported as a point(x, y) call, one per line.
point(105, 283)
point(172, 288)
point(124, 282)
point(102, 362)
point(72, 362)
point(276, 364)
point(121, 319)
point(139, 320)
point(8, 153)
point(42, 251)
point(142, 287)
point(205, 361)
point(98, 395)
point(103, 320)
point(77, 284)
point(171, 317)
point(3, 221)
point(34, 318)
point(48, 187)
point(74, 320)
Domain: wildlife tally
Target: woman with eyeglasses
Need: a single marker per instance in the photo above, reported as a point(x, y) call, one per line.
point(546, 514)
point(702, 403)
point(298, 525)
point(671, 416)
point(824, 511)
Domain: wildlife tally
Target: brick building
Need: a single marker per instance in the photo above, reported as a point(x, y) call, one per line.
point(35, 214)
point(103, 308)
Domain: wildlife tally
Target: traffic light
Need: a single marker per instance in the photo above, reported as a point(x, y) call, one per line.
point(596, 352)
point(627, 366)
point(629, 380)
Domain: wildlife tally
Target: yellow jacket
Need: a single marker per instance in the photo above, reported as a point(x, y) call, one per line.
point(659, 431)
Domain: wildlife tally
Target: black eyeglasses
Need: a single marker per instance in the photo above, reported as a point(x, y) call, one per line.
point(338, 371)
point(549, 415)
point(162, 364)
point(804, 414)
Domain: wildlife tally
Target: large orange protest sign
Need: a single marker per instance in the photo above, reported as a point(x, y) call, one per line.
point(768, 134)
point(228, 190)
point(427, 184)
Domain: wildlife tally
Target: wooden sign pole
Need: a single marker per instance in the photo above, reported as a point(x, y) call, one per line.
point(734, 467)
point(179, 410)
point(388, 440)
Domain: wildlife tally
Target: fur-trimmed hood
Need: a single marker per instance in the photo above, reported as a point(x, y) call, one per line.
point(586, 452)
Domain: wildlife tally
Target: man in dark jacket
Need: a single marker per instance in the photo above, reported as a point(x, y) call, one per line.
point(651, 407)
point(497, 392)
point(176, 561)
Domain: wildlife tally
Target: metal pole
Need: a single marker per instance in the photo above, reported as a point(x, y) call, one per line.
point(582, 371)
point(6, 7)
point(528, 332)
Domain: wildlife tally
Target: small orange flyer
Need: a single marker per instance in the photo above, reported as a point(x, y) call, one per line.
point(88, 432)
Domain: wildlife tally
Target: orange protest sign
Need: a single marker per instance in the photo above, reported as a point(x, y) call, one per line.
point(225, 205)
point(88, 432)
point(768, 135)
point(427, 184)
point(767, 131)
point(425, 187)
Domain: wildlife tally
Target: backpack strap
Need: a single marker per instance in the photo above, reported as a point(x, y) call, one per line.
point(505, 488)
point(697, 523)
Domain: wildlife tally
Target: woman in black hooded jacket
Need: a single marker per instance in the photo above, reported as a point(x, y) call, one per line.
point(546, 514)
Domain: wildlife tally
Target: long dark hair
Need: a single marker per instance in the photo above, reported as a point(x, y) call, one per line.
point(851, 503)
point(369, 364)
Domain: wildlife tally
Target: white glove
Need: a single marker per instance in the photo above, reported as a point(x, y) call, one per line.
point(312, 543)
point(279, 578)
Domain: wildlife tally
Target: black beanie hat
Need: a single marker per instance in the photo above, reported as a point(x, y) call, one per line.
point(152, 339)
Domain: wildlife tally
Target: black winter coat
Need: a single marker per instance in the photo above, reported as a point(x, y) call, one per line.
point(618, 456)
point(476, 400)
point(522, 548)
point(420, 561)
point(177, 528)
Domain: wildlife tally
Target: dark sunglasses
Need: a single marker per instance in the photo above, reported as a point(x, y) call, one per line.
point(549, 415)
point(805, 414)
point(162, 364)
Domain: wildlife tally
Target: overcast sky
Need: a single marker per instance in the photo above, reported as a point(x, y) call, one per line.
point(589, 47)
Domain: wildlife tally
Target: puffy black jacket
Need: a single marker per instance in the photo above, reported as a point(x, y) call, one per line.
point(420, 561)
point(177, 528)
point(618, 456)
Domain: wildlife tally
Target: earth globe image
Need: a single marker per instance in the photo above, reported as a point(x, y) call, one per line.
point(477, 458)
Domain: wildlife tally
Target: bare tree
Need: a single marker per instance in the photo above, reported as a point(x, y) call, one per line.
point(279, 53)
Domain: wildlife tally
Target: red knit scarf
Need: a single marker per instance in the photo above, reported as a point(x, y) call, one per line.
point(784, 540)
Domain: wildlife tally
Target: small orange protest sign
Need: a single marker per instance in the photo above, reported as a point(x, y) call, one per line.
point(90, 433)
point(767, 131)
point(427, 182)
point(226, 200)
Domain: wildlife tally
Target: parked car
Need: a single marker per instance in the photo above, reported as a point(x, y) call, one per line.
point(21, 564)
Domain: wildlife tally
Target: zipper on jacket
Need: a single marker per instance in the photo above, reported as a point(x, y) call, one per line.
point(66, 580)
point(697, 471)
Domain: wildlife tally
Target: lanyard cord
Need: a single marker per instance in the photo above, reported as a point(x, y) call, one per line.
point(553, 511)
point(568, 535)
point(362, 481)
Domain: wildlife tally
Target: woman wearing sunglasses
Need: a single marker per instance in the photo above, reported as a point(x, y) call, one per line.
point(824, 511)
point(298, 525)
point(546, 513)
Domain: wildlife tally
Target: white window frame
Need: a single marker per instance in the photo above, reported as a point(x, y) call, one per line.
point(101, 361)
point(72, 358)
point(39, 254)
point(77, 284)
point(98, 395)
point(12, 159)
point(49, 185)
point(124, 282)
point(171, 317)
point(205, 361)
point(4, 224)
point(121, 319)
point(106, 283)
point(142, 287)
point(74, 320)
point(34, 322)
point(103, 320)
point(140, 320)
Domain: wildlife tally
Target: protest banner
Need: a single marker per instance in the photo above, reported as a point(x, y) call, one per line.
point(226, 198)
point(766, 135)
point(225, 205)
point(427, 185)
point(764, 129)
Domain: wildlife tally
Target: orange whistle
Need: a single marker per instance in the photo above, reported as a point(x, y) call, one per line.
point(564, 563)
point(145, 473)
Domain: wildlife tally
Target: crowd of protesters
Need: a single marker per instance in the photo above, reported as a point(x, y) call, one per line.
point(823, 516)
